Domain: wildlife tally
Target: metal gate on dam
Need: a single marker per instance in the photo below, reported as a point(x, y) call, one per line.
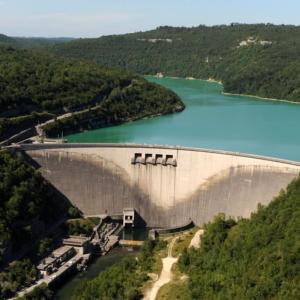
point(167, 186)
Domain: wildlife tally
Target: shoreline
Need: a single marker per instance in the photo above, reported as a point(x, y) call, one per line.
point(186, 78)
point(211, 80)
point(261, 98)
point(129, 120)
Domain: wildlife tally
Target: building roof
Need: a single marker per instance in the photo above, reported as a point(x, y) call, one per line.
point(73, 240)
point(46, 262)
point(61, 251)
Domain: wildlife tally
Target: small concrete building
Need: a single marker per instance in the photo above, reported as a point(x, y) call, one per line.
point(80, 243)
point(128, 216)
point(63, 253)
point(47, 265)
point(56, 259)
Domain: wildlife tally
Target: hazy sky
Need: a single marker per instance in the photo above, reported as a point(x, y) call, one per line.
point(93, 18)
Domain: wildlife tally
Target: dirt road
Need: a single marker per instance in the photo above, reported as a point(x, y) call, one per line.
point(166, 273)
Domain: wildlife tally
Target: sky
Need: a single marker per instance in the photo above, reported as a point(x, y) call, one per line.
point(94, 18)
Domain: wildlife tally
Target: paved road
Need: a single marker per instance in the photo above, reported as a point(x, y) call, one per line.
point(66, 115)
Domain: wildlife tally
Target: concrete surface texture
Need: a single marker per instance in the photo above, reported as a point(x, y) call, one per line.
point(194, 183)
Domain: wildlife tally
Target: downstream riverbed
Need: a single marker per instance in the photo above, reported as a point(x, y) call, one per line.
point(67, 290)
point(101, 263)
point(212, 120)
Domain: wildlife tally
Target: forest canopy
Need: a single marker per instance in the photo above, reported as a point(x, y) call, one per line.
point(27, 204)
point(257, 59)
point(257, 258)
point(35, 87)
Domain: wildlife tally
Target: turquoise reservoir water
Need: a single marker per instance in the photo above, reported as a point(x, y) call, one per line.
point(213, 120)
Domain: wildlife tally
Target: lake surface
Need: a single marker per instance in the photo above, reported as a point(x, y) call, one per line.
point(212, 120)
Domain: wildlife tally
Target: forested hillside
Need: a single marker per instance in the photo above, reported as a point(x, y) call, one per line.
point(249, 259)
point(6, 40)
point(23, 42)
point(36, 86)
point(259, 59)
point(27, 205)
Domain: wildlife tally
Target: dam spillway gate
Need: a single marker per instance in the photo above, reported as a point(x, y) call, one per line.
point(167, 186)
point(154, 159)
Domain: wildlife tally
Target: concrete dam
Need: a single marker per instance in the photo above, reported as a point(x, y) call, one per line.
point(167, 186)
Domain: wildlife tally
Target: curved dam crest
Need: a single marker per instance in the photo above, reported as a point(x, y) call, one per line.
point(166, 186)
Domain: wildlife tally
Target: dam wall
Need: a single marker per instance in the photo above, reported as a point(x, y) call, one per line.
point(167, 186)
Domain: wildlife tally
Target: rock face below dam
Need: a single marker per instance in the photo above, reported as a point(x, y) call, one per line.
point(166, 186)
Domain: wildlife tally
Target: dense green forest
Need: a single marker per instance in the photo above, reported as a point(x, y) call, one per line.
point(28, 42)
point(35, 87)
point(257, 258)
point(6, 40)
point(34, 82)
point(42, 292)
point(21, 274)
point(259, 59)
point(18, 275)
point(137, 100)
point(27, 205)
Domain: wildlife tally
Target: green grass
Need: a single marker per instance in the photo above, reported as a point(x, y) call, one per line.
point(173, 290)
